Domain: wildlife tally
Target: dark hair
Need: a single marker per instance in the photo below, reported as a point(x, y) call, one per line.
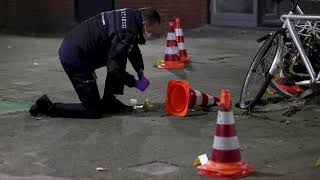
point(151, 15)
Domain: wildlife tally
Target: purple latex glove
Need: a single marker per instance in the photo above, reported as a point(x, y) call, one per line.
point(141, 75)
point(142, 84)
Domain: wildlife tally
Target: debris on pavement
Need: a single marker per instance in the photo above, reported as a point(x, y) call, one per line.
point(140, 106)
point(269, 166)
point(36, 64)
point(318, 163)
point(134, 102)
point(147, 104)
point(200, 160)
point(101, 169)
point(292, 110)
point(157, 61)
point(270, 91)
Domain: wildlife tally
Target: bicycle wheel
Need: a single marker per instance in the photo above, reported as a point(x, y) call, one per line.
point(258, 78)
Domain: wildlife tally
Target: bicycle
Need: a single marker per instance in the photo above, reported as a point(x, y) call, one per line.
point(281, 48)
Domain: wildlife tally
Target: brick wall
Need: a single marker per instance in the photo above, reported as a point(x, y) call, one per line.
point(38, 16)
point(193, 13)
point(57, 15)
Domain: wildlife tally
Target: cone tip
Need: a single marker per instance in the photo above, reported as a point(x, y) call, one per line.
point(225, 91)
point(225, 99)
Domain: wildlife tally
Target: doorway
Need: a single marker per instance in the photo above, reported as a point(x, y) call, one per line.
point(234, 12)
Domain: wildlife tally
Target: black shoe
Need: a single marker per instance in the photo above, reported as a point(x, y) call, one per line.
point(113, 105)
point(122, 107)
point(35, 110)
point(42, 106)
point(44, 102)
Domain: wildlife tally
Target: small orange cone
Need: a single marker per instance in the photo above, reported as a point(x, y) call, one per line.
point(180, 39)
point(225, 159)
point(171, 58)
point(180, 98)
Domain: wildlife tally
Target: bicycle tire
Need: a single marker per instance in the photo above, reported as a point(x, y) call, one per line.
point(258, 59)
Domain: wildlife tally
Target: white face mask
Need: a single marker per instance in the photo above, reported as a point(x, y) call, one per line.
point(146, 35)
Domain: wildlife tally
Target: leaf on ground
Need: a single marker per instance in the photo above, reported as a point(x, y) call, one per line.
point(318, 163)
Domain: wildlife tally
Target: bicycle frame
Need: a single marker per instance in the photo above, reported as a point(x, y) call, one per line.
point(295, 26)
point(297, 42)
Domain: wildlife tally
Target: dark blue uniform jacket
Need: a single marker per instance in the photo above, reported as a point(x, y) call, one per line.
point(107, 39)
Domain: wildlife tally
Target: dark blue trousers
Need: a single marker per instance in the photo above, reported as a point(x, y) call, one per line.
point(91, 105)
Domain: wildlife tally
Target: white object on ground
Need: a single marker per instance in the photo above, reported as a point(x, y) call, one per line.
point(133, 103)
point(203, 159)
point(138, 107)
point(101, 169)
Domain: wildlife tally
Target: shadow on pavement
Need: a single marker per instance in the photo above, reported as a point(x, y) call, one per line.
point(265, 174)
point(181, 74)
point(159, 110)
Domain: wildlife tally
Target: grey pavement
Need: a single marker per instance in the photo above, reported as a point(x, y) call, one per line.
point(145, 145)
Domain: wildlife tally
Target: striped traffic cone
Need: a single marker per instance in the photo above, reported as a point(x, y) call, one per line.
point(225, 159)
point(180, 39)
point(180, 98)
point(171, 58)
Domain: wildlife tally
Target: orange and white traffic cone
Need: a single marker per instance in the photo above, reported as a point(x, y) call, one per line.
point(171, 58)
point(180, 39)
point(180, 98)
point(225, 159)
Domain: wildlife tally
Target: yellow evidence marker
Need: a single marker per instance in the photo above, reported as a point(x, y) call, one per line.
point(157, 62)
point(147, 104)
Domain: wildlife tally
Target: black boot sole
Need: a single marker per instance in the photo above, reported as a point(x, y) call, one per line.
point(35, 110)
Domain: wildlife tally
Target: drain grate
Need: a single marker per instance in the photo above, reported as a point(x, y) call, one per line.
point(155, 168)
point(11, 106)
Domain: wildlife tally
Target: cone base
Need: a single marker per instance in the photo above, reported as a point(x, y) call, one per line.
point(177, 89)
point(185, 59)
point(172, 65)
point(225, 170)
